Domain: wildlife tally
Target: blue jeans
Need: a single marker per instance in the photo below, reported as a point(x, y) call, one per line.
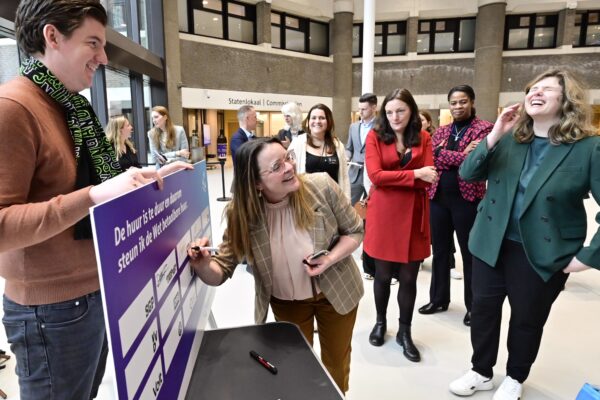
point(60, 348)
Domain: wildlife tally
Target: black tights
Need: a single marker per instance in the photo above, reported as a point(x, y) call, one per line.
point(407, 288)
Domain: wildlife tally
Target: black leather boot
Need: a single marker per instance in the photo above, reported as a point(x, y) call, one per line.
point(378, 332)
point(404, 339)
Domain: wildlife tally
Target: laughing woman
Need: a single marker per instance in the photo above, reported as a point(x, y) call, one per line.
point(275, 220)
point(319, 150)
point(541, 160)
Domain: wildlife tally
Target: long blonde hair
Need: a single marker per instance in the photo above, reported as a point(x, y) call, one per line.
point(246, 208)
point(113, 134)
point(574, 123)
point(169, 128)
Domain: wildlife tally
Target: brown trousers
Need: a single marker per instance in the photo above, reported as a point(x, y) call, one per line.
point(335, 331)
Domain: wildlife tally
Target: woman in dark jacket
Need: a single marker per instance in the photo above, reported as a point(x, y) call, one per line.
point(454, 201)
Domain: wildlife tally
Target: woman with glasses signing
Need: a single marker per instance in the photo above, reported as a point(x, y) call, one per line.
point(276, 220)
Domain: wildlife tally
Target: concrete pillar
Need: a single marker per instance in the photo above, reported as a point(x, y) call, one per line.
point(566, 28)
point(341, 45)
point(173, 61)
point(412, 34)
point(368, 58)
point(263, 22)
point(489, 40)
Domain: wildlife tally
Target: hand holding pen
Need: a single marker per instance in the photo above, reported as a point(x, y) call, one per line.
point(200, 251)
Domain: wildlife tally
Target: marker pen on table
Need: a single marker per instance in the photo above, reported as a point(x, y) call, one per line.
point(272, 369)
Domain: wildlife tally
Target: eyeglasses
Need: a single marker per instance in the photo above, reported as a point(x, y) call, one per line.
point(279, 166)
point(544, 89)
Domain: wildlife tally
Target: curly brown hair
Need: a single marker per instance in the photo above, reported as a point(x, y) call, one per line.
point(574, 123)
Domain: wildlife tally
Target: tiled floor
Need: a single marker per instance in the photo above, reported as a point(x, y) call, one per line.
point(569, 356)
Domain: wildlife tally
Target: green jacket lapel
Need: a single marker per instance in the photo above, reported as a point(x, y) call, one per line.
point(553, 158)
point(515, 160)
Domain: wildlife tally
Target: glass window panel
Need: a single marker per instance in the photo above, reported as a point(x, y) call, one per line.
point(444, 42)
point(317, 40)
point(524, 21)
point(292, 22)
point(356, 41)
point(396, 44)
point(118, 92)
point(87, 93)
point(143, 6)
point(425, 26)
point(544, 37)
point(578, 19)
point(378, 29)
point(294, 40)
point(147, 113)
point(423, 43)
point(275, 19)
point(236, 9)
point(378, 45)
point(241, 30)
point(576, 36)
point(9, 56)
point(208, 24)
point(540, 20)
point(275, 37)
point(593, 18)
point(117, 16)
point(392, 28)
point(466, 37)
point(593, 35)
point(216, 5)
point(517, 38)
point(440, 26)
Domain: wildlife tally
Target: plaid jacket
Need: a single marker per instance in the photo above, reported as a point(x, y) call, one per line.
point(470, 191)
point(341, 283)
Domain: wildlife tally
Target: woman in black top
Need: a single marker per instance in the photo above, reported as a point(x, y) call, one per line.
point(118, 133)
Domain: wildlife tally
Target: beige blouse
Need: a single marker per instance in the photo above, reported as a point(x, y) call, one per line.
point(289, 246)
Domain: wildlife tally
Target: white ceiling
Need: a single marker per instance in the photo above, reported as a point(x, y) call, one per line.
point(390, 10)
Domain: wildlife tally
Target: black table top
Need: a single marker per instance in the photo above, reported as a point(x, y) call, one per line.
point(225, 370)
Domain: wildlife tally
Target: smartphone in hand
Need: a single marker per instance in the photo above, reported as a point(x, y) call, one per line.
point(315, 255)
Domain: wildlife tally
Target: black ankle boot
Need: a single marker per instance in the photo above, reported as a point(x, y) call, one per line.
point(404, 339)
point(378, 332)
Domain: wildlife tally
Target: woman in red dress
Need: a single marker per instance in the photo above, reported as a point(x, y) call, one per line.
point(400, 165)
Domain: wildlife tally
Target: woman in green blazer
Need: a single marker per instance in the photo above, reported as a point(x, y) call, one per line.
point(531, 225)
point(275, 221)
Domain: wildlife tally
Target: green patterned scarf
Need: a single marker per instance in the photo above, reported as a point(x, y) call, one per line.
point(96, 160)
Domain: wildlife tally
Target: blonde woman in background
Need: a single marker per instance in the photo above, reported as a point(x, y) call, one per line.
point(168, 142)
point(118, 133)
point(292, 115)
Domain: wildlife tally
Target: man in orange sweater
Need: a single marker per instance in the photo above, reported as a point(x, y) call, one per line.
point(55, 164)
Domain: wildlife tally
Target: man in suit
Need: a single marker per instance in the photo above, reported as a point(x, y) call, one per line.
point(355, 148)
point(355, 152)
point(247, 118)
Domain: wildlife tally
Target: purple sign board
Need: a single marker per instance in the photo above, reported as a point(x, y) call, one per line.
point(155, 307)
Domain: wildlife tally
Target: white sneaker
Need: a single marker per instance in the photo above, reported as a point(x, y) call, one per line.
point(510, 389)
point(469, 383)
point(454, 274)
point(393, 282)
